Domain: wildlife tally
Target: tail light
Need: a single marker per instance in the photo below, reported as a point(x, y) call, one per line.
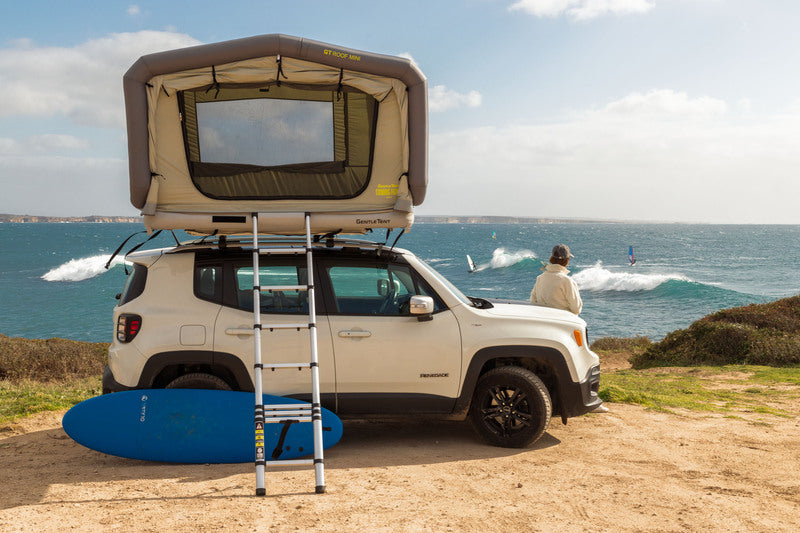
point(128, 325)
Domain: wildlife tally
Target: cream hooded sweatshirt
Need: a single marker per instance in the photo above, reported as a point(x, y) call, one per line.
point(554, 288)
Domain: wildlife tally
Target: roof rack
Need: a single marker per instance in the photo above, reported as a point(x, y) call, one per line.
point(241, 241)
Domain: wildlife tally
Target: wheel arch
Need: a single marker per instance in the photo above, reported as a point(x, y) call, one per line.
point(547, 363)
point(163, 367)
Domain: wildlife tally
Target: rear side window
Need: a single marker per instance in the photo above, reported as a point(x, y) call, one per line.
point(208, 282)
point(134, 285)
point(285, 301)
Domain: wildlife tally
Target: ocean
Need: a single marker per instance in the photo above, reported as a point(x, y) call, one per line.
point(53, 282)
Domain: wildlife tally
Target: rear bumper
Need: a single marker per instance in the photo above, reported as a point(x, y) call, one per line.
point(110, 384)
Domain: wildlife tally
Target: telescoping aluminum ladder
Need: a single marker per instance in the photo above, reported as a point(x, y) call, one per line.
point(286, 413)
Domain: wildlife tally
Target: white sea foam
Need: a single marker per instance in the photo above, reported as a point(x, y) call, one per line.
point(501, 258)
point(598, 279)
point(81, 269)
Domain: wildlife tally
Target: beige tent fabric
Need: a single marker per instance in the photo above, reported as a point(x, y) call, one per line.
point(175, 190)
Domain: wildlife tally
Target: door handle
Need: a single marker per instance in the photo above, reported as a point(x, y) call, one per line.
point(239, 331)
point(345, 333)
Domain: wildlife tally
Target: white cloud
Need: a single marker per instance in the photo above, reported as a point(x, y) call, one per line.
point(666, 157)
point(82, 83)
point(666, 103)
point(582, 9)
point(440, 98)
point(133, 10)
point(48, 143)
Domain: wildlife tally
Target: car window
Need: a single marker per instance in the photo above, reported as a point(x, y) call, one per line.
point(373, 289)
point(273, 301)
point(134, 284)
point(207, 282)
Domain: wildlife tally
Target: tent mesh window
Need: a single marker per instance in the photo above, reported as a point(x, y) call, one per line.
point(280, 142)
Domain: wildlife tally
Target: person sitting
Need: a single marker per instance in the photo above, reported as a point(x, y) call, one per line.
point(554, 287)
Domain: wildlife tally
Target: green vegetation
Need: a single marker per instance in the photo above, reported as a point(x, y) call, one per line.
point(44, 375)
point(756, 334)
point(728, 388)
point(50, 360)
point(24, 398)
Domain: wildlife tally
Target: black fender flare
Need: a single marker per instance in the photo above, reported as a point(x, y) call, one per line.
point(158, 362)
point(542, 355)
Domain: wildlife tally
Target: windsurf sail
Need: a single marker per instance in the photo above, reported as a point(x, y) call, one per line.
point(631, 258)
point(471, 263)
point(494, 235)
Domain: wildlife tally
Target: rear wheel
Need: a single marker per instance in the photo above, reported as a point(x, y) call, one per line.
point(198, 380)
point(511, 407)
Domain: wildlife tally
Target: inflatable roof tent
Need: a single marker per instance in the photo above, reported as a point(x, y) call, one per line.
point(280, 126)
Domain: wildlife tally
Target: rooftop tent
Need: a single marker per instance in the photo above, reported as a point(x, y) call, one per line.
point(279, 126)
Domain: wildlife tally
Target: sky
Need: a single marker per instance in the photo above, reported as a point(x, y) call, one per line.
point(640, 110)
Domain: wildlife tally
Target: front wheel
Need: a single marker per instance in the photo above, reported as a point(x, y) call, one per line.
point(511, 407)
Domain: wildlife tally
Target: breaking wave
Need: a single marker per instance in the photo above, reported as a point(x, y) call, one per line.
point(599, 279)
point(502, 258)
point(81, 269)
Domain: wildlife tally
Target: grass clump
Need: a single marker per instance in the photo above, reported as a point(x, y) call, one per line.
point(722, 389)
point(24, 398)
point(757, 334)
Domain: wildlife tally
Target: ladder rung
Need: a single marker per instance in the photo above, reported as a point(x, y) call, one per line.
point(281, 251)
point(275, 406)
point(285, 326)
point(281, 419)
point(291, 462)
point(286, 365)
point(281, 288)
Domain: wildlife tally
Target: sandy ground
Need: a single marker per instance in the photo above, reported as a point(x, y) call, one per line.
point(627, 470)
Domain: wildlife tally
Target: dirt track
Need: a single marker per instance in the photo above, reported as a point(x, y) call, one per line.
point(626, 470)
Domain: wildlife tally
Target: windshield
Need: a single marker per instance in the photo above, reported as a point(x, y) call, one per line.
point(444, 281)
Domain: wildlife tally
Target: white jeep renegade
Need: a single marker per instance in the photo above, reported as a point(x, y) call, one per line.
point(394, 337)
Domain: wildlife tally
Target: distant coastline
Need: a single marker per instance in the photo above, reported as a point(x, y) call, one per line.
point(419, 219)
point(465, 219)
point(431, 219)
point(89, 218)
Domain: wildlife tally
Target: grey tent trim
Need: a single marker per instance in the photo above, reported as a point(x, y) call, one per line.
point(136, 79)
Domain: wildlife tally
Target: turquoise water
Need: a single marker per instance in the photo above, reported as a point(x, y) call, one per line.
point(53, 284)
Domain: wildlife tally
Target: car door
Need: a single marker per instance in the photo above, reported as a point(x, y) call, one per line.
point(388, 361)
point(234, 326)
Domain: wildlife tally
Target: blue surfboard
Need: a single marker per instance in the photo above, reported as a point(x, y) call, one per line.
point(190, 426)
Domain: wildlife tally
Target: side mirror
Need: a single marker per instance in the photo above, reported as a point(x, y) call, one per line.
point(421, 307)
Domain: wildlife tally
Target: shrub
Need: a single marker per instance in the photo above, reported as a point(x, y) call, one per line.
point(756, 334)
point(616, 344)
point(49, 360)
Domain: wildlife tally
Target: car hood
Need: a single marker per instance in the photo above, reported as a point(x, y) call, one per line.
point(508, 308)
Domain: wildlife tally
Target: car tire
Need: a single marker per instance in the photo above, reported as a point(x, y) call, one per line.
point(198, 380)
point(511, 407)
